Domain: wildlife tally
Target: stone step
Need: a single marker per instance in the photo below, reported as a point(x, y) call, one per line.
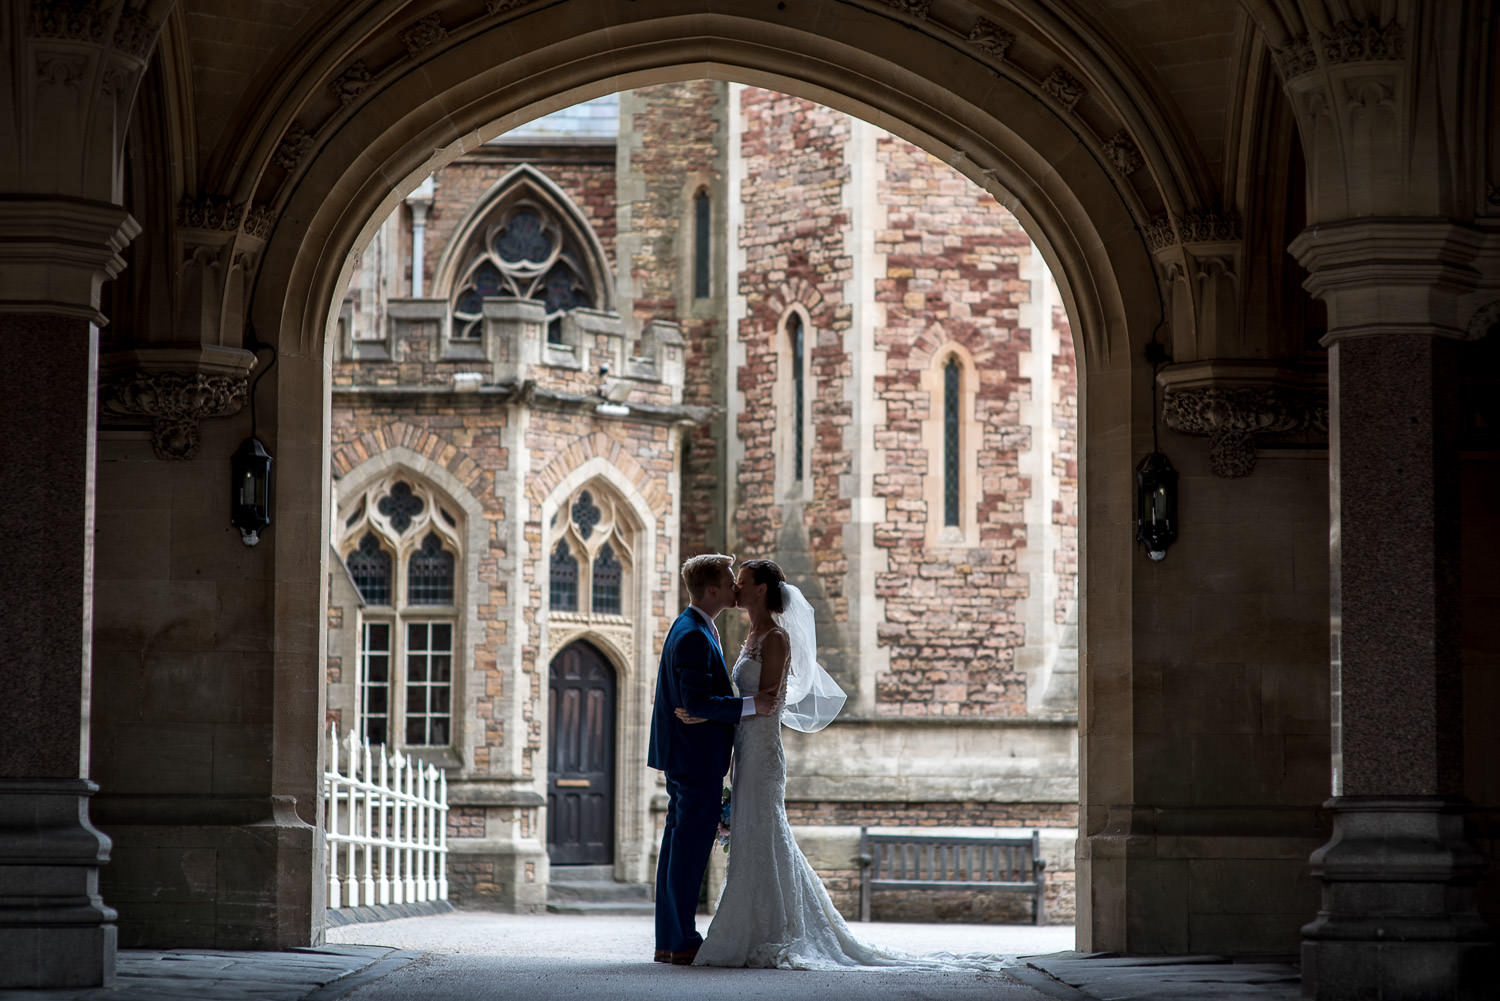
point(579, 889)
point(583, 874)
point(598, 893)
point(640, 908)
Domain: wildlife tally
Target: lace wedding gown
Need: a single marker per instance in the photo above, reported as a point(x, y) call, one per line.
point(773, 910)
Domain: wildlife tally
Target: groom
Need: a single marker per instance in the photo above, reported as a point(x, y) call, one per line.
point(693, 675)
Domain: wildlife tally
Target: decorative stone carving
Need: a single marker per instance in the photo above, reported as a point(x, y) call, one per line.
point(81, 22)
point(135, 33)
point(295, 144)
point(918, 9)
point(1063, 87)
point(1123, 153)
point(1195, 227)
point(1492, 192)
point(175, 402)
point(208, 212)
point(503, 6)
point(424, 34)
point(1232, 408)
point(351, 83)
point(258, 221)
point(992, 38)
point(1350, 42)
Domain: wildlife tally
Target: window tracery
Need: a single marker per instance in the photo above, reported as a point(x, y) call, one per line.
point(401, 547)
point(591, 562)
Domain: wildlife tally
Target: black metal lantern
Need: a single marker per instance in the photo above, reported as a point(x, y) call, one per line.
point(1155, 505)
point(250, 490)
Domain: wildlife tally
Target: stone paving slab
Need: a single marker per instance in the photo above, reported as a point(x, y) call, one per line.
point(1102, 977)
point(223, 975)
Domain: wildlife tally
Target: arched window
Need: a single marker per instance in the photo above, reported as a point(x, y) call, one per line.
point(592, 558)
point(702, 244)
point(799, 395)
point(563, 575)
point(952, 402)
point(526, 241)
point(401, 546)
point(950, 435)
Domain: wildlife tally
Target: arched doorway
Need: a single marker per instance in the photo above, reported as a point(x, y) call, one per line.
point(581, 762)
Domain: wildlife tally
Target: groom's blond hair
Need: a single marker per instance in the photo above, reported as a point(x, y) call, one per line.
point(702, 571)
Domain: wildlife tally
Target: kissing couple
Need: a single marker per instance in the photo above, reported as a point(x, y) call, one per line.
point(773, 910)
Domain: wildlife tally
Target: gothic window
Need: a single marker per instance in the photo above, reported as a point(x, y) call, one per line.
point(401, 546)
point(606, 582)
point(952, 400)
point(564, 579)
point(799, 396)
point(950, 436)
point(591, 561)
point(370, 566)
point(526, 249)
point(429, 573)
point(702, 242)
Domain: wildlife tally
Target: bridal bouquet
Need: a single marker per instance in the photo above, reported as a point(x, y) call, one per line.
point(723, 835)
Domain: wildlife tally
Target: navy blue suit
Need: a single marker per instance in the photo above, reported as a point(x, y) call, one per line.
point(695, 757)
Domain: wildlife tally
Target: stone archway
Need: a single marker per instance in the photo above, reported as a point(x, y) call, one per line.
point(1007, 133)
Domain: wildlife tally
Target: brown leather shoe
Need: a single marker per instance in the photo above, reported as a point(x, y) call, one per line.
point(684, 958)
point(662, 956)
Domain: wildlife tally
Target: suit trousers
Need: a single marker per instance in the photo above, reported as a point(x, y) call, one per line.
point(693, 805)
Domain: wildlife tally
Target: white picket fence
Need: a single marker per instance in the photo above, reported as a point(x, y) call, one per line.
point(385, 817)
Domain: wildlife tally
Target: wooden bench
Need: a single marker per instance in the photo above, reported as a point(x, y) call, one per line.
point(959, 862)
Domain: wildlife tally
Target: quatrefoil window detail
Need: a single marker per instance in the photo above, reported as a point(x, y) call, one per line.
point(586, 514)
point(400, 506)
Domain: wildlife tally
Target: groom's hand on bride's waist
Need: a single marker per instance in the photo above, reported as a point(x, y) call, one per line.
point(765, 703)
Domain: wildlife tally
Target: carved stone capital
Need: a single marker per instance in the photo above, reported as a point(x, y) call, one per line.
point(990, 37)
point(1194, 227)
point(175, 388)
point(1232, 403)
point(1354, 41)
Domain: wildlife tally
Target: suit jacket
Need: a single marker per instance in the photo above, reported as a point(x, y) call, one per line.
point(692, 675)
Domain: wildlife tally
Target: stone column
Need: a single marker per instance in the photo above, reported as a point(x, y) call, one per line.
point(54, 255)
point(1398, 917)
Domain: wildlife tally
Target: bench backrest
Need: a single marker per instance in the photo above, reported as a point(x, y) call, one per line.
point(956, 859)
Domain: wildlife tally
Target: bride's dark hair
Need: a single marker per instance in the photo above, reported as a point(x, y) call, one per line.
point(767, 572)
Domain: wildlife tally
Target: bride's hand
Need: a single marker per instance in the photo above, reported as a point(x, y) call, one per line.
point(683, 715)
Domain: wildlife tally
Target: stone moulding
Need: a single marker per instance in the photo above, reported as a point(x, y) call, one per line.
point(1231, 405)
point(1350, 42)
point(175, 389)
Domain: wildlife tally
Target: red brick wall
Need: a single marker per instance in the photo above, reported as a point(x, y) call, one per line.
point(794, 240)
point(680, 138)
point(1065, 464)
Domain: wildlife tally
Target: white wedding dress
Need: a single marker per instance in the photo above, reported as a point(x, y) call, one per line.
point(773, 910)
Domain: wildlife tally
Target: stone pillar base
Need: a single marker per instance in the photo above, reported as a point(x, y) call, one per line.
point(1398, 920)
point(54, 929)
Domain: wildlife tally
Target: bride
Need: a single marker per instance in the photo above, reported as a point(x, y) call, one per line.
point(773, 910)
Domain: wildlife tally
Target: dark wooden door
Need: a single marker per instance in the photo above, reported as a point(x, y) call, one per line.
point(581, 768)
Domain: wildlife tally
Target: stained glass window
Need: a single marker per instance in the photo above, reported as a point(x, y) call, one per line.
point(607, 571)
point(429, 573)
point(951, 394)
point(563, 589)
point(370, 566)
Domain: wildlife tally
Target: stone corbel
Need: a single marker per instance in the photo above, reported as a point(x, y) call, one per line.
point(175, 388)
point(1233, 402)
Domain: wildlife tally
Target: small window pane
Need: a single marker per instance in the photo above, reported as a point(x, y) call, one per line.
point(429, 659)
point(563, 589)
point(374, 680)
point(607, 573)
point(429, 573)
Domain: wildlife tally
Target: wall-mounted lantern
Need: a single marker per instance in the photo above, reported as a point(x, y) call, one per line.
point(1155, 505)
point(250, 490)
point(250, 466)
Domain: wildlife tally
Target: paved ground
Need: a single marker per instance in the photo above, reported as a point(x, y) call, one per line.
point(480, 956)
